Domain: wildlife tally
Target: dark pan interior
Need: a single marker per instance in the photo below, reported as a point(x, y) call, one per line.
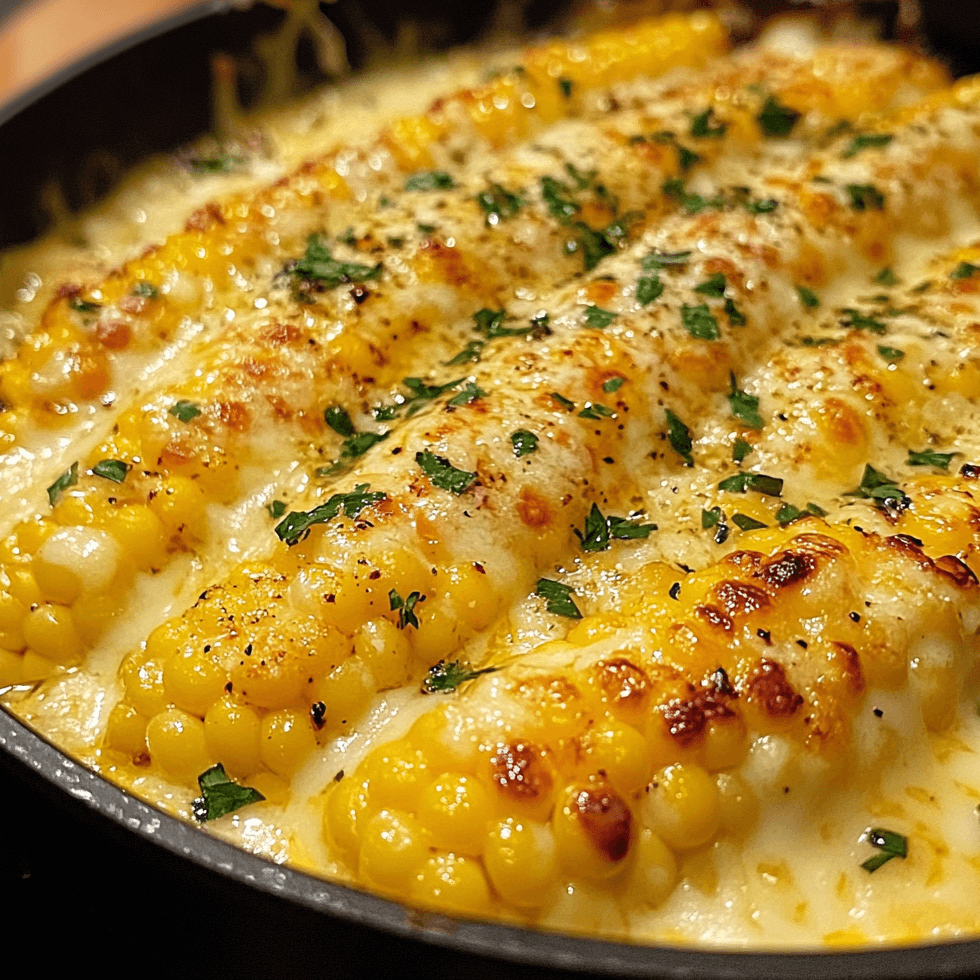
point(115, 882)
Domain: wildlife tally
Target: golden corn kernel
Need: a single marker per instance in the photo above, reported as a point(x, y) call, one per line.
point(143, 679)
point(35, 668)
point(140, 534)
point(179, 504)
point(682, 805)
point(270, 679)
point(738, 805)
point(177, 744)
point(725, 743)
point(11, 667)
point(23, 587)
point(32, 534)
point(621, 752)
point(344, 815)
point(232, 731)
point(12, 613)
point(439, 633)
point(455, 808)
point(126, 730)
point(285, 740)
point(521, 859)
point(50, 632)
point(475, 600)
point(594, 830)
point(452, 883)
point(394, 848)
point(447, 740)
point(385, 651)
point(398, 775)
point(345, 692)
point(192, 681)
point(654, 872)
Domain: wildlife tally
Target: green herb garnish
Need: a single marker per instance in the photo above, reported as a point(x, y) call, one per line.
point(499, 204)
point(319, 268)
point(771, 486)
point(746, 523)
point(111, 469)
point(220, 796)
point(443, 474)
point(524, 442)
point(430, 180)
point(648, 288)
point(599, 318)
point(448, 675)
point(596, 410)
point(890, 844)
point(276, 509)
point(339, 420)
point(865, 197)
point(469, 393)
point(702, 126)
point(740, 450)
point(891, 354)
point(861, 321)
point(788, 512)
point(887, 277)
point(714, 285)
point(296, 525)
point(565, 403)
point(964, 270)
point(735, 316)
point(405, 608)
point(661, 260)
point(863, 141)
point(612, 384)
point(744, 406)
point(680, 437)
point(558, 598)
point(777, 119)
point(876, 485)
point(808, 297)
point(67, 479)
point(184, 411)
point(928, 458)
point(699, 322)
point(600, 530)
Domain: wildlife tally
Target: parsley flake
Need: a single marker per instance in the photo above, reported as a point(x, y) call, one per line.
point(565, 85)
point(876, 485)
point(788, 513)
point(808, 297)
point(964, 271)
point(692, 203)
point(890, 844)
point(714, 285)
point(599, 318)
point(891, 354)
point(297, 524)
point(352, 448)
point(430, 180)
point(565, 403)
point(744, 406)
point(777, 119)
point(740, 450)
point(499, 204)
point(680, 437)
point(469, 393)
point(596, 410)
point(447, 675)
point(661, 260)
point(471, 352)
point(67, 479)
point(443, 474)
point(699, 322)
point(600, 530)
point(320, 270)
point(556, 196)
point(558, 598)
point(735, 316)
point(339, 420)
point(405, 608)
point(864, 141)
point(771, 486)
point(612, 384)
point(184, 411)
point(865, 197)
point(746, 523)
point(145, 289)
point(709, 518)
point(861, 321)
point(276, 509)
point(648, 288)
point(928, 458)
point(111, 469)
point(524, 442)
point(702, 126)
point(220, 795)
point(887, 277)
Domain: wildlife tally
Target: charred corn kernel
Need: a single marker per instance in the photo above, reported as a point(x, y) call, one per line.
point(654, 872)
point(385, 651)
point(192, 681)
point(725, 743)
point(285, 740)
point(394, 847)
point(447, 740)
point(140, 534)
point(474, 599)
point(23, 587)
point(143, 679)
point(179, 504)
point(232, 731)
point(621, 752)
point(521, 859)
point(682, 806)
point(738, 804)
point(11, 667)
point(346, 692)
point(523, 777)
point(12, 614)
point(35, 668)
point(345, 813)
point(452, 883)
point(455, 808)
point(126, 730)
point(50, 632)
point(76, 559)
point(398, 775)
point(594, 829)
point(177, 744)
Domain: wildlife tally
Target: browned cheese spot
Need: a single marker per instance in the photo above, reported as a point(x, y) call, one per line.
point(714, 617)
point(769, 686)
point(533, 509)
point(606, 820)
point(851, 664)
point(740, 598)
point(519, 771)
point(622, 682)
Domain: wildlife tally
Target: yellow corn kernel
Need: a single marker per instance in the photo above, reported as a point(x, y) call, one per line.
point(32, 534)
point(140, 534)
point(455, 808)
point(12, 613)
point(621, 752)
point(23, 587)
point(447, 740)
point(177, 744)
point(126, 730)
point(11, 667)
point(682, 805)
point(398, 775)
point(233, 731)
point(654, 873)
point(453, 884)
point(269, 679)
point(179, 504)
point(192, 681)
point(143, 679)
point(285, 740)
point(74, 509)
point(593, 830)
point(344, 815)
point(474, 598)
point(738, 804)
point(346, 691)
point(409, 139)
point(335, 596)
point(521, 859)
point(385, 651)
point(725, 743)
point(438, 635)
point(394, 847)
point(36, 668)
point(50, 632)
point(93, 614)
point(57, 582)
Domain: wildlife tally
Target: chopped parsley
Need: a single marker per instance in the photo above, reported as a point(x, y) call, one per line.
point(596, 410)
point(744, 407)
point(469, 393)
point(443, 474)
point(865, 197)
point(339, 420)
point(746, 523)
point(891, 354)
point(425, 229)
point(864, 141)
point(612, 384)
point(220, 795)
point(692, 203)
point(808, 297)
point(702, 126)
point(735, 316)
point(714, 285)
point(777, 119)
point(430, 180)
point(67, 479)
point(489, 324)
point(421, 393)
point(709, 518)
point(928, 458)
point(740, 450)
point(276, 509)
point(887, 277)
point(319, 269)
point(788, 512)
point(765, 206)
point(964, 270)
point(648, 288)
point(524, 442)
point(771, 486)
point(297, 524)
point(499, 204)
point(448, 675)
point(111, 469)
point(560, 205)
point(861, 321)
point(699, 322)
point(558, 598)
point(405, 608)
point(353, 447)
point(876, 485)
point(597, 317)
point(471, 352)
point(890, 844)
point(184, 411)
point(661, 260)
point(680, 437)
point(565, 403)
point(220, 163)
point(565, 86)
point(600, 530)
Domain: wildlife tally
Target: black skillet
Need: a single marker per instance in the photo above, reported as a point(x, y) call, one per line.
point(91, 876)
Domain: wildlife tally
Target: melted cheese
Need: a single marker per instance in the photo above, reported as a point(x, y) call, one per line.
point(420, 402)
